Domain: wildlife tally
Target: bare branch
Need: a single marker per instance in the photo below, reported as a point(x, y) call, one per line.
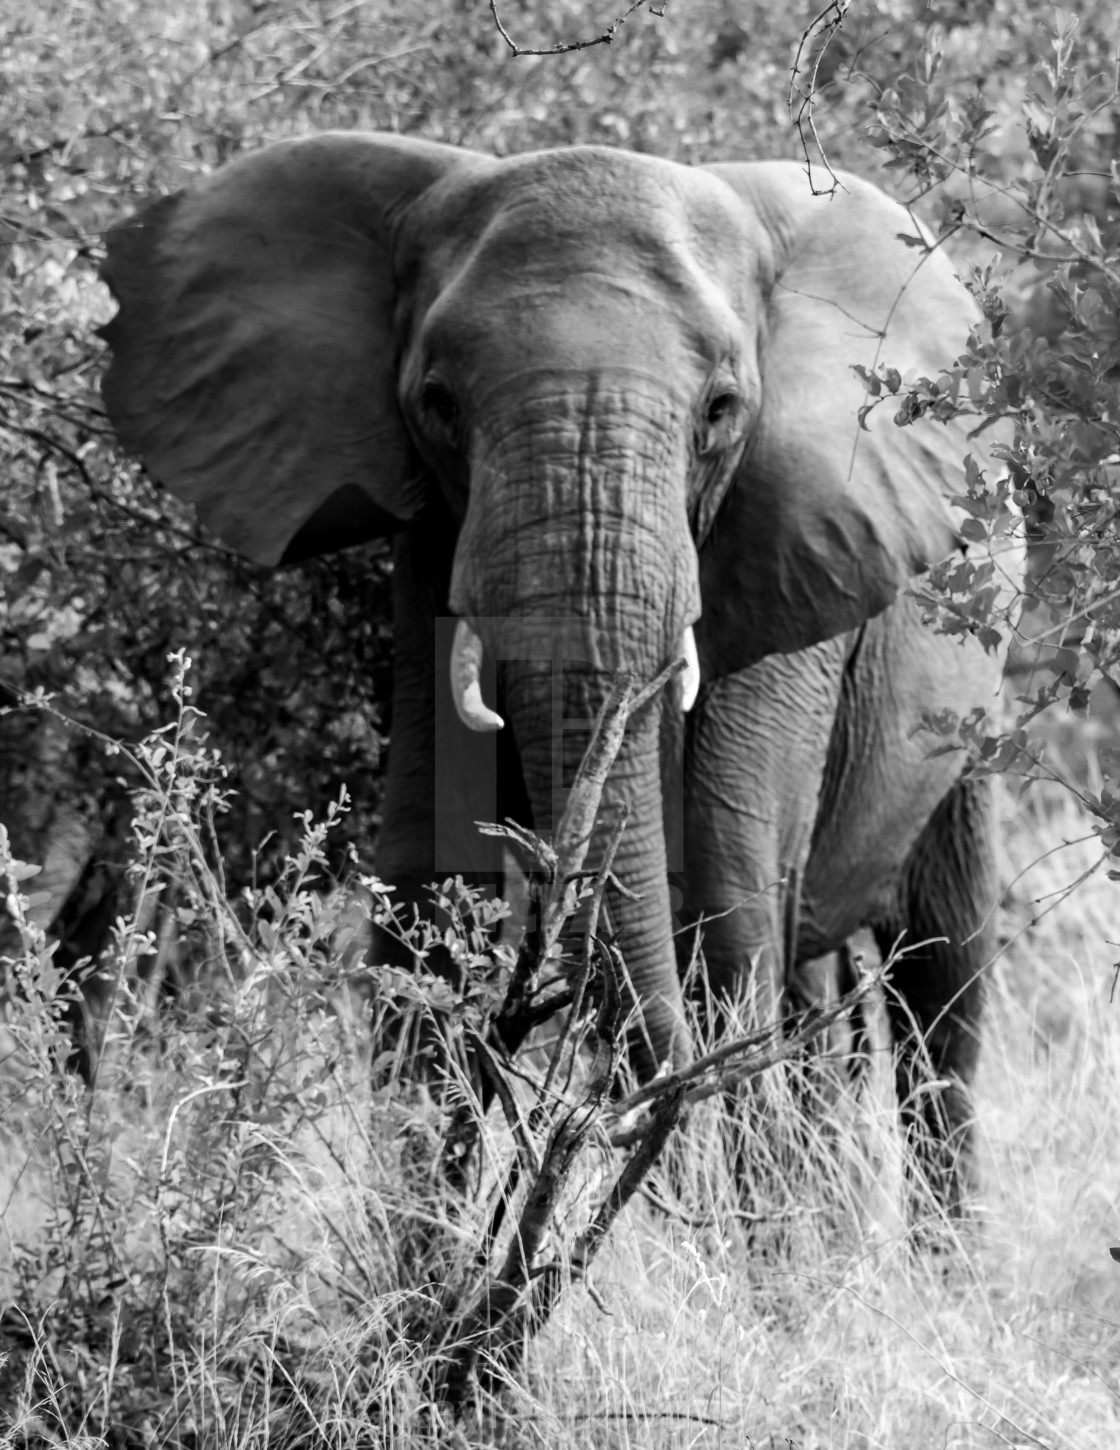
point(565, 874)
point(801, 98)
point(733, 1063)
point(563, 46)
point(580, 987)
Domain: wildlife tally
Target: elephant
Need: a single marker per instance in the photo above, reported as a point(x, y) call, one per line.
point(605, 404)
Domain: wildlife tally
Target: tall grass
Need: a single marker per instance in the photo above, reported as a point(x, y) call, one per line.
point(828, 1329)
point(243, 1236)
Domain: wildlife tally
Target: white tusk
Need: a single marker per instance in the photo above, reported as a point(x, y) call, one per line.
point(466, 667)
point(690, 676)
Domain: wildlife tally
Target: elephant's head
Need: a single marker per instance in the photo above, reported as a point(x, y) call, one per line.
point(627, 381)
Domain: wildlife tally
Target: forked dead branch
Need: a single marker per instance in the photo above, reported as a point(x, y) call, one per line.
point(574, 1107)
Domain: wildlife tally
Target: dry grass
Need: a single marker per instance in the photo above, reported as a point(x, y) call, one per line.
point(835, 1333)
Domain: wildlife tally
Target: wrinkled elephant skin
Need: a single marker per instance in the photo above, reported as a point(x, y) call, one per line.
point(603, 400)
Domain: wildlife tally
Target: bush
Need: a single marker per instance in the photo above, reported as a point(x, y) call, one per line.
point(243, 1199)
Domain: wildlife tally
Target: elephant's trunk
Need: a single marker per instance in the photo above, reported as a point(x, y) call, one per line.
point(575, 560)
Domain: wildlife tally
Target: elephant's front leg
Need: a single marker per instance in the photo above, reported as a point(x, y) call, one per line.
point(755, 760)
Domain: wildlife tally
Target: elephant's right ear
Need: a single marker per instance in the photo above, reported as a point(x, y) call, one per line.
point(254, 359)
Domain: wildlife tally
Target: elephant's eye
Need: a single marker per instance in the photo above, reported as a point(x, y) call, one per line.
point(720, 416)
point(436, 400)
point(722, 406)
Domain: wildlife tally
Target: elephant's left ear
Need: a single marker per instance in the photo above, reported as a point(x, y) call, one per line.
point(826, 520)
point(254, 354)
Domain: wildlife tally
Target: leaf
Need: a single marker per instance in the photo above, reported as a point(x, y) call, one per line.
point(871, 381)
point(22, 870)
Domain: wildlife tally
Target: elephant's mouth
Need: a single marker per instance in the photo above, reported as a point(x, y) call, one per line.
point(467, 653)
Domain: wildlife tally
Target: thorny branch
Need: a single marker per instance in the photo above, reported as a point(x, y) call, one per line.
point(801, 98)
point(566, 45)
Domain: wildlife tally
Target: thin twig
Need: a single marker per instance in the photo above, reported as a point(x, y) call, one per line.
point(567, 45)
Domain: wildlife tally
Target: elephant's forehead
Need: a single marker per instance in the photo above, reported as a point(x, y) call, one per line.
point(583, 204)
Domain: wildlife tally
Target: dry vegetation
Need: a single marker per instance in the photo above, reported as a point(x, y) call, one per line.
point(829, 1330)
point(241, 1237)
